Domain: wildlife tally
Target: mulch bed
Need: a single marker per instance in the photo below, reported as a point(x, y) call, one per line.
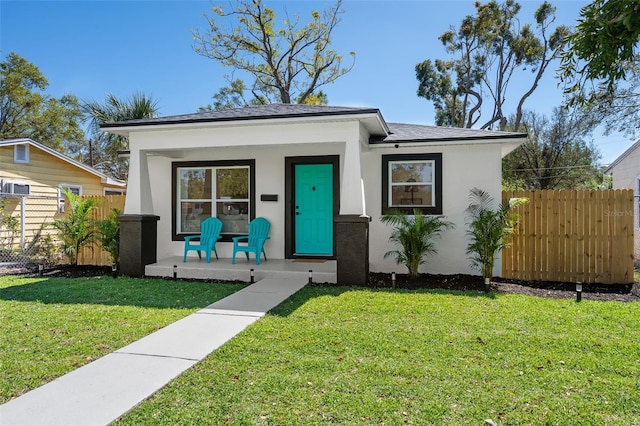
point(459, 282)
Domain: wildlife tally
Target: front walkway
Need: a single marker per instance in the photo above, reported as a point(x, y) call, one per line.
point(104, 390)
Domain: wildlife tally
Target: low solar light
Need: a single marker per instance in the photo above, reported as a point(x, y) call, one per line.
point(40, 269)
point(175, 272)
point(310, 276)
point(114, 270)
point(578, 292)
point(393, 279)
point(252, 278)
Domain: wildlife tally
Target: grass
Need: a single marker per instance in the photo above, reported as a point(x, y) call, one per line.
point(50, 326)
point(332, 355)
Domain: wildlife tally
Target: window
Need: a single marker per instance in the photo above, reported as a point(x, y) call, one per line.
point(222, 189)
point(112, 191)
point(412, 181)
point(75, 189)
point(21, 153)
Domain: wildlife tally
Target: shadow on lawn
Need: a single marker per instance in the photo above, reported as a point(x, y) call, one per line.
point(150, 293)
point(321, 290)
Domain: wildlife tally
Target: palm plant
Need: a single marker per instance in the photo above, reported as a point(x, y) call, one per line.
point(415, 234)
point(489, 229)
point(105, 146)
point(76, 228)
point(109, 235)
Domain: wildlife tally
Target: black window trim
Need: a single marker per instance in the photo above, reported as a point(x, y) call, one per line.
point(436, 158)
point(214, 163)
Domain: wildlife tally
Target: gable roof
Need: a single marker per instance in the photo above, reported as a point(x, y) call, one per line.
point(622, 156)
point(103, 177)
point(381, 131)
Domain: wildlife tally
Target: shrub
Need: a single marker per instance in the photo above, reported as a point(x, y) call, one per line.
point(109, 234)
point(77, 229)
point(489, 229)
point(415, 234)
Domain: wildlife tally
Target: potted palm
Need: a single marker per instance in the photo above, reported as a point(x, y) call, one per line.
point(489, 230)
point(415, 234)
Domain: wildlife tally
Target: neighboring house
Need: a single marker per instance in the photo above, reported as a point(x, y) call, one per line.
point(625, 171)
point(32, 177)
point(305, 168)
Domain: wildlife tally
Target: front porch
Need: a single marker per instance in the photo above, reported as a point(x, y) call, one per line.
point(223, 269)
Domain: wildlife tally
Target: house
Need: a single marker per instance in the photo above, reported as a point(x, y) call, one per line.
point(323, 176)
point(625, 171)
point(32, 177)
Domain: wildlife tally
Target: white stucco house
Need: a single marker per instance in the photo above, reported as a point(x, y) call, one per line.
point(305, 168)
point(625, 173)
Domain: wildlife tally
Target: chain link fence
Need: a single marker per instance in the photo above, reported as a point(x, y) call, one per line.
point(27, 238)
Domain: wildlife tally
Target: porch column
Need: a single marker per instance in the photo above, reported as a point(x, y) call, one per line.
point(351, 227)
point(351, 192)
point(139, 200)
point(138, 224)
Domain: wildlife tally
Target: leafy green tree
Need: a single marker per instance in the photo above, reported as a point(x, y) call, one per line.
point(415, 234)
point(104, 148)
point(601, 68)
point(77, 229)
point(287, 62)
point(605, 38)
point(489, 229)
point(486, 50)
point(556, 155)
point(109, 234)
point(26, 111)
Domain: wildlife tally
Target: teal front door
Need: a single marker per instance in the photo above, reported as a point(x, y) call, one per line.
point(313, 209)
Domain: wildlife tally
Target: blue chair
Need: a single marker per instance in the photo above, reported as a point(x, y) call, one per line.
point(258, 234)
point(209, 233)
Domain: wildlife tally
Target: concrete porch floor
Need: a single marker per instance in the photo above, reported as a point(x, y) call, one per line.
point(222, 269)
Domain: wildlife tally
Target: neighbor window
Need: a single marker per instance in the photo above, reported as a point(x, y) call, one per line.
point(216, 189)
point(74, 189)
point(21, 153)
point(412, 181)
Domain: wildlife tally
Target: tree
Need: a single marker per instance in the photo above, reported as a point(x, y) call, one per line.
point(489, 229)
point(600, 69)
point(606, 37)
point(487, 49)
point(416, 235)
point(27, 112)
point(77, 229)
point(287, 63)
point(556, 154)
point(104, 147)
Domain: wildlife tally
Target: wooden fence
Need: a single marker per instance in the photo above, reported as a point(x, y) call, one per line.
point(93, 254)
point(572, 236)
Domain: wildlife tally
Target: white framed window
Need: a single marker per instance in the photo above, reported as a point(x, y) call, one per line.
point(75, 189)
point(222, 189)
point(412, 181)
point(113, 191)
point(21, 153)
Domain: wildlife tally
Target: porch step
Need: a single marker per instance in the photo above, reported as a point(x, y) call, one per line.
point(223, 269)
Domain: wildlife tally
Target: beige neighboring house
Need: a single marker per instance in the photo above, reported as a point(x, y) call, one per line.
point(32, 177)
point(625, 171)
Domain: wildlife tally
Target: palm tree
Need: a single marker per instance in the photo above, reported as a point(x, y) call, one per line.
point(489, 229)
point(104, 147)
point(415, 234)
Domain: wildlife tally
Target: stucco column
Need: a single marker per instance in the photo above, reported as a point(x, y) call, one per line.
point(351, 192)
point(139, 200)
point(138, 224)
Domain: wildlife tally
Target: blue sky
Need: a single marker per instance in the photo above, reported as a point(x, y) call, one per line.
point(92, 48)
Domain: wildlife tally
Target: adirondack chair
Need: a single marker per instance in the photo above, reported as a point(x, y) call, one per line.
point(258, 234)
point(209, 233)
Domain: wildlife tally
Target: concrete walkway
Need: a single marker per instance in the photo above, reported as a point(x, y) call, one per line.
point(105, 389)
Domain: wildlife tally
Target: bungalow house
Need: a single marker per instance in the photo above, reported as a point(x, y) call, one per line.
point(625, 171)
point(322, 175)
point(32, 177)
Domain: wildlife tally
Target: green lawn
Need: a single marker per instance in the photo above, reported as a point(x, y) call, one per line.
point(333, 355)
point(50, 326)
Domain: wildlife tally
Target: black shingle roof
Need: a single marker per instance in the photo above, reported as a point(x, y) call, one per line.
point(400, 132)
point(248, 113)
